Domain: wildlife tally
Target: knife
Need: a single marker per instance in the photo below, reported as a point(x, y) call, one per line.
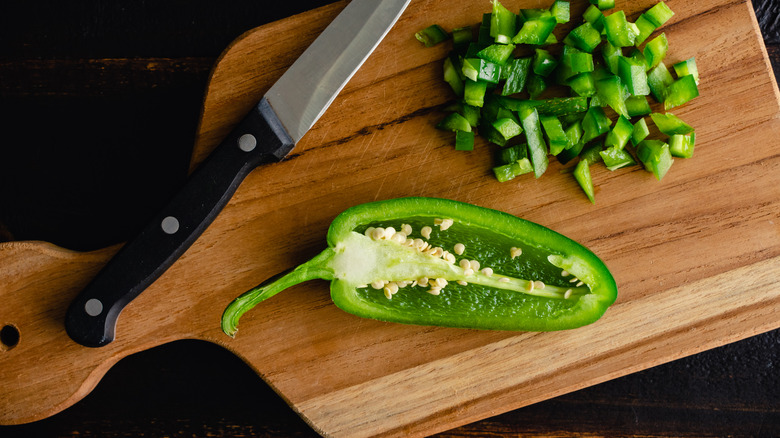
point(267, 134)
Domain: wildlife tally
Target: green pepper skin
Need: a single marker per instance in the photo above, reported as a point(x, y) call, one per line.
point(582, 175)
point(502, 24)
point(519, 70)
point(537, 147)
point(432, 35)
point(482, 304)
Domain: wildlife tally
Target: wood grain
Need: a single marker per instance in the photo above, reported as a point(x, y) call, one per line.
point(695, 255)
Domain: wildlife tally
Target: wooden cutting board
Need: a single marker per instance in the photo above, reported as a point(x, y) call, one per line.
point(696, 256)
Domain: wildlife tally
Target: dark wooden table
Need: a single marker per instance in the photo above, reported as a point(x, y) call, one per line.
point(99, 100)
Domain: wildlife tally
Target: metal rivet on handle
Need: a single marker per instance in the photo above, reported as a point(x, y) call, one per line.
point(247, 142)
point(93, 307)
point(170, 225)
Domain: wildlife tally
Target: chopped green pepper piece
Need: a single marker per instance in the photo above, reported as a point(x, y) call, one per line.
point(505, 70)
point(481, 69)
point(577, 60)
point(658, 14)
point(509, 171)
point(592, 152)
point(510, 154)
point(474, 92)
point(637, 56)
point(473, 49)
point(561, 106)
point(487, 19)
point(535, 31)
point(595, 100)
point(491, 134)
point(637, 106)
point(603, 5)
point(452, 77)
point(563, 73)
point(556, 136)
point(655, 156)
point(640, 132)
point(507, 127)
point(544, 62)
point(633, 74)
point(556, 106)
point(655, 51)
point(633, 32)
point(373, 276)
point(584, 37)
point(620, 133)
point(552, 39)
point(615, 158)
point(573, 134)
point(519, 70)
point(659, 79)
point(531, 14)
point(594, 123)
point(687, 67)
point(529, 118)
point(613, 92)
point(461, 37)
point(571, 153)
point(490, 73)
point(681, 91)
point(561, 11)
point(464, 140)
point(490, 109)
point(601, 72)
point(503, 23)
point(682, 145)
point(575, 144)
point(611, 54)
point(454, 122)
point(583, 84)
point(536, 85)
point(484, 38)
point(582, 175)
point(432, 35)
point(504, 172)
point(568, 119)
point(497, 53)
point(504, 113)
point(619, 32)
point(670, 124)
point(595, 17)
point(470, 113)
point(646, 28)
point(470, 68)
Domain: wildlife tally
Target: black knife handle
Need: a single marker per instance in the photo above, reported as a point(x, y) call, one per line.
point(259, 138)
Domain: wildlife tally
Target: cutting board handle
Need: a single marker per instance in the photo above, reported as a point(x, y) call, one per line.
point(43, 371)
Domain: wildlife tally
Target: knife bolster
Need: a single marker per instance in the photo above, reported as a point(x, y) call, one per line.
point(277, 128)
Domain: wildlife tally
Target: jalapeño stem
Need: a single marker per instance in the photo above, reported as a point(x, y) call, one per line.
point(313, 269)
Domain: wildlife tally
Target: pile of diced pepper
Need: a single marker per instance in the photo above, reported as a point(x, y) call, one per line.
point(599, 66)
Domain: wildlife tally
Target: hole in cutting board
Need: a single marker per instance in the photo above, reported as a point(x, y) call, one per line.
point(9, 337)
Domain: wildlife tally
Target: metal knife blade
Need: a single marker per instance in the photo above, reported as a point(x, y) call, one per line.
point(308, 87)
point(267, 134)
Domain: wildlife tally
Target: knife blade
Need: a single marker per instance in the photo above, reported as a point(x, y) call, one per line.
point(267, 134)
